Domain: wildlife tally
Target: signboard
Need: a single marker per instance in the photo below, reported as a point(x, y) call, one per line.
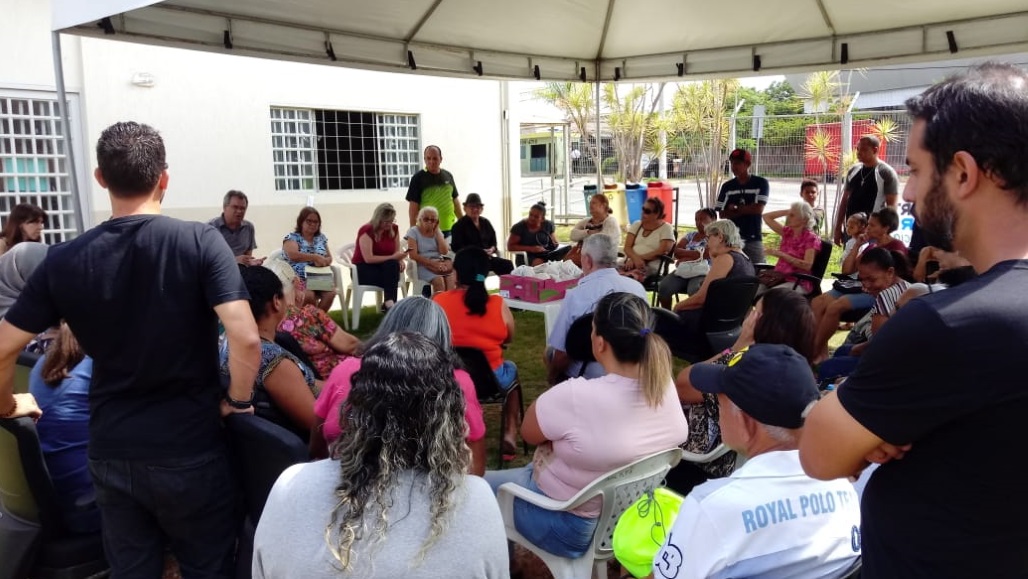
point(758, 121)
point(906, 228)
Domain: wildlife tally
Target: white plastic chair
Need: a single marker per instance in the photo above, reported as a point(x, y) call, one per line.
point(337, 275)
point(415, 285)
point(353, 297)
point(619, 488)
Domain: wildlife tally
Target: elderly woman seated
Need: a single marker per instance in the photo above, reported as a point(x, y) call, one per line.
point(285, 388)
point(421, 316)
point(727, 260)
point(324, 342)
point(648, 239)
point(427, 248)
point(396, 500)
point(798, 248)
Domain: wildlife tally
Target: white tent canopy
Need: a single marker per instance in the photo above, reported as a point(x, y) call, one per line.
point(566, 39)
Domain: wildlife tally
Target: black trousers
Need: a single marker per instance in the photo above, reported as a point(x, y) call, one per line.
point(385, 275)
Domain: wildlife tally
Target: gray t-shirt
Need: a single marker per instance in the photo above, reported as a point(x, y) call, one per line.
point(241, 240)
point(427, 247)
point(290, 540)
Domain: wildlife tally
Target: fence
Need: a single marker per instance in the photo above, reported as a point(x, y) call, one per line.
point(791, 148)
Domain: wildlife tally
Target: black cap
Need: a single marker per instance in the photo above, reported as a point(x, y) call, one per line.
point(770, 382)
point(473, 199)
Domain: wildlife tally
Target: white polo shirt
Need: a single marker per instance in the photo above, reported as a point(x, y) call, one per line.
point(768, 519)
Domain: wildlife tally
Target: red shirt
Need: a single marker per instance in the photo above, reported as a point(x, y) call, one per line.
point(385, 246)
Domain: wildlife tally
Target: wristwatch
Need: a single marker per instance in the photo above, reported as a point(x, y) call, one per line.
point(239, 404)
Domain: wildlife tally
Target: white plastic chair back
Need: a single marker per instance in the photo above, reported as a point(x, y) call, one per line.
point(620, 488)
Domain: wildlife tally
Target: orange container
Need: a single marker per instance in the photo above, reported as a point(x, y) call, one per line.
point(664, 192)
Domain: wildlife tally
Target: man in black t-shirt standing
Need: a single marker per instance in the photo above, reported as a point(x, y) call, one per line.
point(871, 185)
point(742, 199)
point(939, 397)
point(143, 294)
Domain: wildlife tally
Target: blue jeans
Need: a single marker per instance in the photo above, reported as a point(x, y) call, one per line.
point(840, 364)
point(188, 502)
point(560, 533)
point(861, 301)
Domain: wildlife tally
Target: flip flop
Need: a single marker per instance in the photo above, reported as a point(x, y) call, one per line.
point(508, 451)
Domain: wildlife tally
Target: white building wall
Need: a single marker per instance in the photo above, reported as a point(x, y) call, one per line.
point(213, 112)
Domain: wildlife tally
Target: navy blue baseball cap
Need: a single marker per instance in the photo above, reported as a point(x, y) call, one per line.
point(770, 382)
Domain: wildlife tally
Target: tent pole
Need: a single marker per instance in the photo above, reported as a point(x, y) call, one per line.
point(599, 142)
point(62, 99)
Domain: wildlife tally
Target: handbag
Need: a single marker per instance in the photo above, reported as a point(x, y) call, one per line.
point(319, 279)
point(848, 286)
point(695, 268)
point(771, 278)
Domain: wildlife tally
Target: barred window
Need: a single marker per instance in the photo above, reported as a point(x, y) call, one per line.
point(326, 150)
point(34, 163)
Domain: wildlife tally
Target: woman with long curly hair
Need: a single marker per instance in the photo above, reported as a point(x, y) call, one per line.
point(396, 501)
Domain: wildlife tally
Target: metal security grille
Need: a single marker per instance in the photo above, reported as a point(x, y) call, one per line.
point(292, 145)
point(399, 144)
point(34, 163)
point(329, 150)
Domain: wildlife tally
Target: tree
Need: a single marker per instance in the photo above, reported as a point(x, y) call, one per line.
point(699, 124)
point(632, 118)
point(576, 101)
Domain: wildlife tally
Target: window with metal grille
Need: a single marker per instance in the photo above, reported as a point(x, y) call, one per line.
point(327, 150)
point(34, 163)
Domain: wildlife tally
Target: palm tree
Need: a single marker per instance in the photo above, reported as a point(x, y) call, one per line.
point(575, 100)
point(631, 117)
point(699, 121)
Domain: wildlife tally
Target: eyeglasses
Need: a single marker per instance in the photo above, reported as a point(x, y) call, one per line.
point(312, 222)
point(429, 220)
point(649, 211)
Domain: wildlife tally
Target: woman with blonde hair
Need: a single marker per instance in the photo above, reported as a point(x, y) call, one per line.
point(378, 255)
point(586, 427)
point(396, 501)
point(320, 338)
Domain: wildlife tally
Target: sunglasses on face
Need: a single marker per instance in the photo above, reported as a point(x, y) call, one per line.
point(649, 211)
point(429, 220)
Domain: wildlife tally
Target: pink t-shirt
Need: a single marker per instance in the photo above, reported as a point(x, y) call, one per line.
point(797, 246)
point(337, 388)
point(597, 425)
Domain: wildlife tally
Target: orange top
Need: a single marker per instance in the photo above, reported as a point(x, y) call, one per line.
point(486, 333)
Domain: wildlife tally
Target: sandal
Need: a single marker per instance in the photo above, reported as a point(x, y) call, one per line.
point(508, 450)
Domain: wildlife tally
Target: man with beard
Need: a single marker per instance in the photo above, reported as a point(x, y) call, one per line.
point(940, 394)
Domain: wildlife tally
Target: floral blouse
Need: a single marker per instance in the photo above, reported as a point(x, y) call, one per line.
point(319, 247)
point(313, 329)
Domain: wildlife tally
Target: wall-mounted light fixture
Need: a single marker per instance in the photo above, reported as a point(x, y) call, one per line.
point(144, 79)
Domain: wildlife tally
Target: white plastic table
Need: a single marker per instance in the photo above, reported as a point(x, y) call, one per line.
point(548, 309)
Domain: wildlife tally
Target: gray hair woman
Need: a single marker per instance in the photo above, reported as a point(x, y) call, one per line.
point(798, 249)
point(418, 315)
point(727, 260)
point(396, 501)
point(428, 249)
